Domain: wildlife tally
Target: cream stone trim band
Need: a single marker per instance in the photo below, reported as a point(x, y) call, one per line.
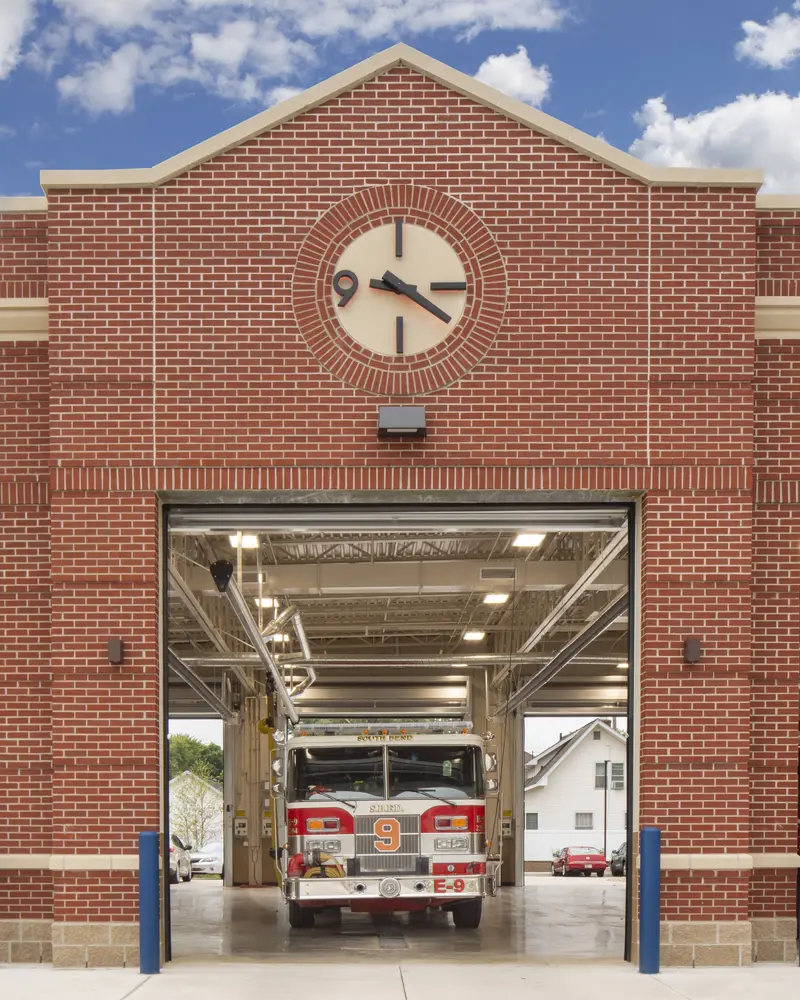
point(401, 55)
point(25, 204)
point(777, 316)
point(23, 319)
point(775, 202)
point(726, 862)
point(71, 862)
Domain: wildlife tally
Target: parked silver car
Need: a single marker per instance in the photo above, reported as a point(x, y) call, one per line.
point(208, 860)
point(180, 861)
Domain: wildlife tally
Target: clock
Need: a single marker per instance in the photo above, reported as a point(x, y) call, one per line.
point(399, 290)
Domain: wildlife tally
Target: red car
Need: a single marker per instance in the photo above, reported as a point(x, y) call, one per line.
point(579, 861)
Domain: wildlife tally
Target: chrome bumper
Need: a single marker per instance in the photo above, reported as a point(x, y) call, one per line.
point(425, 888)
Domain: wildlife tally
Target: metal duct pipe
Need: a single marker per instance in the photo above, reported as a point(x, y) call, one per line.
point(200, 688)
point(276, 624)
point(302, 638)
point(222, 574)
point(575, 645)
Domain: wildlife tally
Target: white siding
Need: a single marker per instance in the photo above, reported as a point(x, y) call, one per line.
point(570, 790)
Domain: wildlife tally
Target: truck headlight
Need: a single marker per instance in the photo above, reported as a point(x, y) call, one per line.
point(329, 846)
point(451, 844)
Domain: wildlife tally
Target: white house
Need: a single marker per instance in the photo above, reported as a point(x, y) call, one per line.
point(195, 809)
point(566, 802)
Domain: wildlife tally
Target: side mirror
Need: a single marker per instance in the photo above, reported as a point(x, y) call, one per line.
point(276, 788)
point(492, 787)
point(189, 847)
point(490, 761)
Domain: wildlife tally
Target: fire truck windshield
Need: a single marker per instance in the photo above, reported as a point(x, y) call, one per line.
point(336, 773)
point(445, 772)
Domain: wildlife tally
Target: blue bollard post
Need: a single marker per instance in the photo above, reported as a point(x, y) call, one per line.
point(149, 926)
point(650, 900)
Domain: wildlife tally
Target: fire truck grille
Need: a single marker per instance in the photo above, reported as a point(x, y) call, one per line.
point(368, 834)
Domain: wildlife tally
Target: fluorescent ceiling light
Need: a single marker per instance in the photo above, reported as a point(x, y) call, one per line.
point(495, 598)
point(248, 541)
point(622, 666)
point(266, 602)
point(460, 666)
point(528, 540)
point(277, 637)
point(474, 636)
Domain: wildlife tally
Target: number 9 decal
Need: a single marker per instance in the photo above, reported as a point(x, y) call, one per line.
point(387, 835)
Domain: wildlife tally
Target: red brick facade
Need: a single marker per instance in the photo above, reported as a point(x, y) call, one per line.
point(626, 359)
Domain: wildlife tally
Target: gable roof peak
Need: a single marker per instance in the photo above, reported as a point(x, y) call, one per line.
point(401, 55)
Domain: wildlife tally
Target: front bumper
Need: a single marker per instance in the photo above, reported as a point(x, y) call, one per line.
point(206, 868)
point(427, 889)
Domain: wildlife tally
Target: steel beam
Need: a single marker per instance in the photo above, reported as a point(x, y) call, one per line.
point(197, 610)
point(200, 688)
point(602, 562)
point(230, 590)
point(568, 652)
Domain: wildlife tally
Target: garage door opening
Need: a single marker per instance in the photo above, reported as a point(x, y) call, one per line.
point(389, 630)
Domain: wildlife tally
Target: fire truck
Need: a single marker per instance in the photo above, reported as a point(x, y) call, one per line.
point(384, 817)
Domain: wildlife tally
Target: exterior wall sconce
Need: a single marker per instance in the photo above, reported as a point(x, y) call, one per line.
point(116, 650)
point(692, 649)
point(401, 421)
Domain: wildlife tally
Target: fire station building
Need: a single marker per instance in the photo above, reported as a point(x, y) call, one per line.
point(510, 416)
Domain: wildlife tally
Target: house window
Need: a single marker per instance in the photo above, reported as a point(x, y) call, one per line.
point(618, 776)
point(596, 734)
point(531, 821)
point(600, 775)
point(584, 821)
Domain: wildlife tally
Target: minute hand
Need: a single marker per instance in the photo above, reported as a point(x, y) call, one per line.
point(410, 292)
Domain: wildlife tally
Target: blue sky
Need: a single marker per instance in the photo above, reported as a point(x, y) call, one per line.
point(113, 83)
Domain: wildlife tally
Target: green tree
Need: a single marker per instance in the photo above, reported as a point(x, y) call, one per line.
point(188, 754)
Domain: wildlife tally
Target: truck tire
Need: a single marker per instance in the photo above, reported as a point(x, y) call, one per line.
point(468, 915)
point(300, 917)
point(187, 877)
point(173, 877)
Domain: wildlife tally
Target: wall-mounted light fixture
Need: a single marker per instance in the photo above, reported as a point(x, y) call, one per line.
point(692, 649)
point(116, 650)
point(401, 421)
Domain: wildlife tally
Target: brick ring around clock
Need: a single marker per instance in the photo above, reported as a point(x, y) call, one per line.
point(399, 290)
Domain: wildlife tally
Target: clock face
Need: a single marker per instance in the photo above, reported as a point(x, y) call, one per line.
point(399, 289)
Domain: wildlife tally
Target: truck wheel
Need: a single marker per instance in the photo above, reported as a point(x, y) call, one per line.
point(468, 915)
point(187, 877)
point(300, 917)
point(173, 877)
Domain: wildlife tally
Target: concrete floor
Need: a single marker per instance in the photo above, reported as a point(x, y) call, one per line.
point(550, 920)
point(401, 981)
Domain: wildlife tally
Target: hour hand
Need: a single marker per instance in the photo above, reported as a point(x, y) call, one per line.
point(381, 285)
point(398, 285)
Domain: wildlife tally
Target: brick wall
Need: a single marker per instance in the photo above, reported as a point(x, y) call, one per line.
point(23, 255)
point(176, 362)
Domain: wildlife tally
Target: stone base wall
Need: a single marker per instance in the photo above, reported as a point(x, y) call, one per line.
point(774, 939)
point(26, 941)
point(700, 942)
point(93, 946)
point(728, 942)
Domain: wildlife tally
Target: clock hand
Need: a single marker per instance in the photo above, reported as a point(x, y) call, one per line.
point(410, 292)
point(383, 287)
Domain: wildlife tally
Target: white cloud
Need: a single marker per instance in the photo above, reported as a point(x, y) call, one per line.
point(516, 76)
point(7, 132)
point(775, 44)
point(107, 85)
point(16, 17)
point(755, 130)
point(103, 51)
